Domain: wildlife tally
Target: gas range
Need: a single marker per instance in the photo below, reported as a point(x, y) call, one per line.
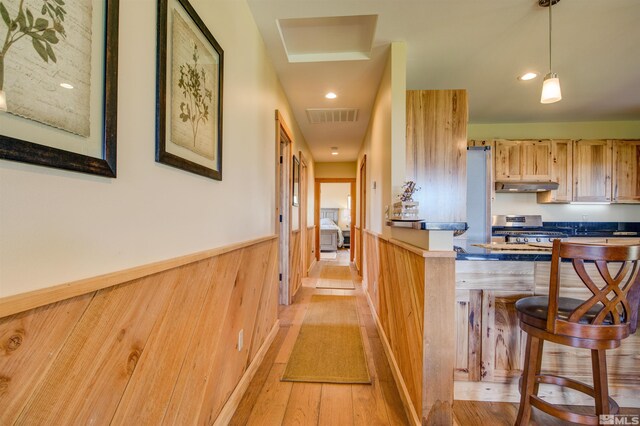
point(518, 229)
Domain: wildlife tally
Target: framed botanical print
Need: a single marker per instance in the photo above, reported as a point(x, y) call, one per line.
point(59, 84)
point(295, 193)
point(189, 92)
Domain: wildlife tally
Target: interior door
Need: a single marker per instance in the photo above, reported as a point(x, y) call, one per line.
point(283, 208)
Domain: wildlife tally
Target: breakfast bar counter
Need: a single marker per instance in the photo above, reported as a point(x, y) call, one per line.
point(489, 343)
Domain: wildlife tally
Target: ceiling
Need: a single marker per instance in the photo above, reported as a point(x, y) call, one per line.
point(481, 46)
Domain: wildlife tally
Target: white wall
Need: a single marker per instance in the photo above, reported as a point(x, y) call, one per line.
point(58, 226)
point(385, 138)
point(335, 195)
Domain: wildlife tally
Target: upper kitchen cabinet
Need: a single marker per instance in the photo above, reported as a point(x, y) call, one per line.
point(508, 164)
point(536, 161)
point(626, 171)
point(592, 170)
point(524, 160)
point(561, 172)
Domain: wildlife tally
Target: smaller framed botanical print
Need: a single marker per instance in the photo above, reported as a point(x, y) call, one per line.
point(189, 92)
point(295, 193)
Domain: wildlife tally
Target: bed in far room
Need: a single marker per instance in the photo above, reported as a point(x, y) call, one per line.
point(330, 233)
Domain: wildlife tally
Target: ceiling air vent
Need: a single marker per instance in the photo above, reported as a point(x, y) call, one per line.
point(332, 115)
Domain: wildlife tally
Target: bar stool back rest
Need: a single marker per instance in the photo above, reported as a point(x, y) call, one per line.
point(598, 323)
point(618, 298)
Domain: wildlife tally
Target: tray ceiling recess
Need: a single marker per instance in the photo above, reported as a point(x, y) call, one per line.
point(337, 38)
point(332, 115)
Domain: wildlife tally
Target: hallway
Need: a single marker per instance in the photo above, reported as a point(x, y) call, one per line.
point(269, 401)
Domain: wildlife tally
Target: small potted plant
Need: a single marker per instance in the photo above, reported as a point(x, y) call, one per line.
point(406, 208)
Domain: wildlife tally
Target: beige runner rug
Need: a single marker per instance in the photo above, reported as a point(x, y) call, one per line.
point(335, 272)
point(329, 347)
point(332, 255)
point(336, 284)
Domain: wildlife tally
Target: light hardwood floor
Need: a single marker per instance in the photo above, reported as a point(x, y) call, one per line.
point(268, 401)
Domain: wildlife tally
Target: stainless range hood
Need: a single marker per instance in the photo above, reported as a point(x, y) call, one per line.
point(526, 186)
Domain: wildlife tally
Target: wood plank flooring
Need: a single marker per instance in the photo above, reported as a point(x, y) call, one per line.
point(268, 401)
point(272, 402)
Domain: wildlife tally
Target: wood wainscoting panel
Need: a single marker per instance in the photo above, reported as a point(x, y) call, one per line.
point(371, 275)
point(310, 248)
point(87, 379)
point(295, 272)
point(29, 343)
point(412, 296)
point(94, 358)
point(357, 251)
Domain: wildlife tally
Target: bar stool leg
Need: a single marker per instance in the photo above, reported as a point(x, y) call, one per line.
point(538, 366)
point(600, 384)
point(531, 362)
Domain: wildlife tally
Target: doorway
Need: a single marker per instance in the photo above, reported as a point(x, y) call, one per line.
point(362, 214)
point(305, 235)
point(335, 220)
point(284, 201)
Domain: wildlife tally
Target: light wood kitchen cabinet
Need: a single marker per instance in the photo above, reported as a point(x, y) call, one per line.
point(508, 164)
point(536, 161)
point(503, 342)
point(592, 170)
point(489, 343)
point(626, 171)
point(485, 142)
point(561, 172)
point(523, 160)
point(468, 335)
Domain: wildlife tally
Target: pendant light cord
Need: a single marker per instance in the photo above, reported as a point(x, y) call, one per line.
point(550, 5)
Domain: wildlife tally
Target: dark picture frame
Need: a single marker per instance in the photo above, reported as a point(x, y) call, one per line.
point(168, 152)
point(295, 190)
point(30, 151)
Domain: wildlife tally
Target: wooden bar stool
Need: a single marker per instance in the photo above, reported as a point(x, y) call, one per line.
point(598, 324)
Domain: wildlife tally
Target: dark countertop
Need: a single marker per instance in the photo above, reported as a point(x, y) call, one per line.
point(428, 226)
point(467, 251)
point(597, 229)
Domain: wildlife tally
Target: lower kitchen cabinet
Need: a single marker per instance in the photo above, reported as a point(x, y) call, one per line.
point(468, 335)
point(503, 342)
point(490, 344)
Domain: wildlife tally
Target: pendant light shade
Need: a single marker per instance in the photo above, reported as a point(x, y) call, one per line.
point(551, 89)
point(551, 86)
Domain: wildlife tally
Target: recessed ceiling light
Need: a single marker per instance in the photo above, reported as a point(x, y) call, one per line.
point(66, 85)
point(334, 150)
point(330, 95)
point(528, 76)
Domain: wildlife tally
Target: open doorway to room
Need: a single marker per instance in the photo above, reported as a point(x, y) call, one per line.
point(335, 217)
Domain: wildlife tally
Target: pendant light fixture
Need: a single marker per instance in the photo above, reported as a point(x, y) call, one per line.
point(551, 86)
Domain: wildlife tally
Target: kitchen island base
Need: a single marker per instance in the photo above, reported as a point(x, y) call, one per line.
point(490, 345)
